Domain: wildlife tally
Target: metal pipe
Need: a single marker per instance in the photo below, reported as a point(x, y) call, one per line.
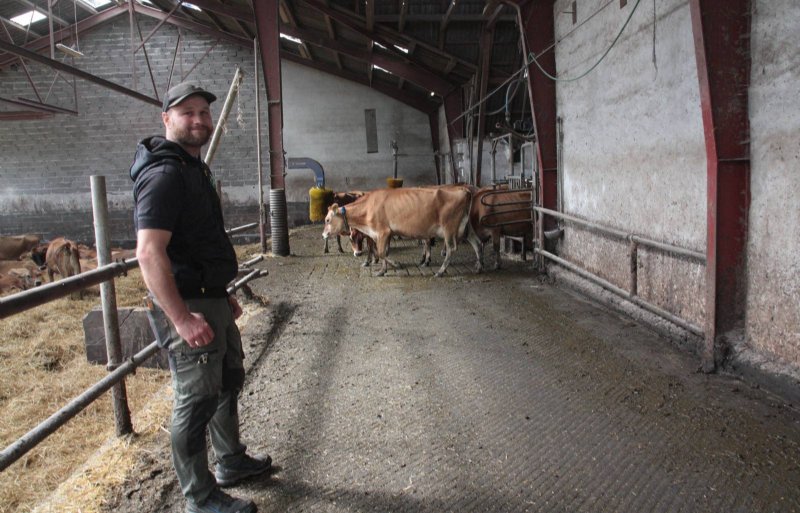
point(27, 299)
point(226, 109)
point(108, 298)
point(622, 293)
point(33, 437)
point(669, 248)
point(252, 261)
point(634, 267)
point(240, 229)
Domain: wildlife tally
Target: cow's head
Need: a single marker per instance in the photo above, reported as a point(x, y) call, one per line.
point(356, 242)
point(38, 254)
point(334, 222)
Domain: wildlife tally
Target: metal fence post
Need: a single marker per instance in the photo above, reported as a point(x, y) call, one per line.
point(108, 296)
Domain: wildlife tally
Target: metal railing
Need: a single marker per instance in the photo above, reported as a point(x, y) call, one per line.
point(634, 241)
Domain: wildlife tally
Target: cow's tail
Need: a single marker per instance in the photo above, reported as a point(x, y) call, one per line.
point(468, 232)
point(74, 260)
point(464, 226)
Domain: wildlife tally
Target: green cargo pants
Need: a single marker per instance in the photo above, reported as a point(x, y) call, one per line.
point(206, 382)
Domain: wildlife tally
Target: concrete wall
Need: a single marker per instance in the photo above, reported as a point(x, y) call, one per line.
point(45, 165)
point(773, 255)
point(634, 159)
point(633, 153)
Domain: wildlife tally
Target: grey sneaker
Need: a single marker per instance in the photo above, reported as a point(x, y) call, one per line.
point(220, 502)
point(247, 467)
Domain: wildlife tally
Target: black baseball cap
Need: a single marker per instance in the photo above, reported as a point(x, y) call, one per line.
point(180, 92)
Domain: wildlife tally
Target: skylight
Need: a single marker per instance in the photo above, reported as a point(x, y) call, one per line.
point(192, 6)
point(97, 3)
point(292, 39)
point(402, 49)
point(381, 69)
point(28, 18)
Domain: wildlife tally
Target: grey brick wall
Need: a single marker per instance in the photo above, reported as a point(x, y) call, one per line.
point(46, 165)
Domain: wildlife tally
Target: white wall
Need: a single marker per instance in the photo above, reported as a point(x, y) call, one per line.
point(633, 153)
point(773, 253)
point(324, 120)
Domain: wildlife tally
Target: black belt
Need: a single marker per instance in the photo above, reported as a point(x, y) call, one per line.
point(202, 292)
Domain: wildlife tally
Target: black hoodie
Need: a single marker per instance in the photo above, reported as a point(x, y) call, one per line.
point(174, 191)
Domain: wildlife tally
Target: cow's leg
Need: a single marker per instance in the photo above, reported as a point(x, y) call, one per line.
point(477, 247)
point(382, 248)
point(339, 243)
point(426, 253)
point(496, 247)
point(326, 245)
point(372, 252)
point(524, 247)
point(449, 248)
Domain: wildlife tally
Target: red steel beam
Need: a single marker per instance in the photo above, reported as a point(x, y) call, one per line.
point(420, 103)
point(267, 26)
point(417, 69)
point(240, 13)
point(406, 71)
point(59, 35)
point(24, 115)
point(537, 28)
point(193, 26)
point(75, 72)
point(721, 30)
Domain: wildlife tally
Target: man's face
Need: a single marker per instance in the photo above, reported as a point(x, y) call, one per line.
point(189, 123)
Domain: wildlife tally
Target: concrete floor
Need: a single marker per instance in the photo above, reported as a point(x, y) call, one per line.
point(495, 392)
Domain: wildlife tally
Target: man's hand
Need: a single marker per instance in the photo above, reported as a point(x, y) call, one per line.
point(235, 308)
point(195, 330)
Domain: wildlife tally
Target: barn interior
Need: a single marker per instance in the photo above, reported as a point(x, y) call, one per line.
point(658, 140)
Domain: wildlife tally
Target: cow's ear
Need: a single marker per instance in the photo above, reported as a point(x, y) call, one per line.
point(335, 206)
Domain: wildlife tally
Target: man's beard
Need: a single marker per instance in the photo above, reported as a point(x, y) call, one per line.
point(192, 138)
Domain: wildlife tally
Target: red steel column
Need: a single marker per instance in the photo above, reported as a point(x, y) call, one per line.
point(266, 17)
point(721, 30)
point(539, 34)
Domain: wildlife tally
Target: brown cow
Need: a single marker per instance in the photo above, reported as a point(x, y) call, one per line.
point(342, 199)
point(414, 213)
point(63, 257)
point(12, 247)
point(501, 212)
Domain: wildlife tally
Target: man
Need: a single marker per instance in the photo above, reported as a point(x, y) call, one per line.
point(187, 260)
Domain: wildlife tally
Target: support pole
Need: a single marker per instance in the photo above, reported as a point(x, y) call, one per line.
point(267, 25)
point(108, 297)
point(223, 116)
point(262, 213)
point(721, 30)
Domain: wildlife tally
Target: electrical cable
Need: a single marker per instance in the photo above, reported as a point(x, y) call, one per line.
point(573, 79)
point(533, 59)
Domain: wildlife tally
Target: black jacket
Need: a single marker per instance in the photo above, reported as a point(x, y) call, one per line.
point(174, 191)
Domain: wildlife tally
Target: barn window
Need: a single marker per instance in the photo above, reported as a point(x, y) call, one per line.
point(371, 124)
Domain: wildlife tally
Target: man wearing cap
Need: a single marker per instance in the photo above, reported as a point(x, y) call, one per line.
point(187, 260)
